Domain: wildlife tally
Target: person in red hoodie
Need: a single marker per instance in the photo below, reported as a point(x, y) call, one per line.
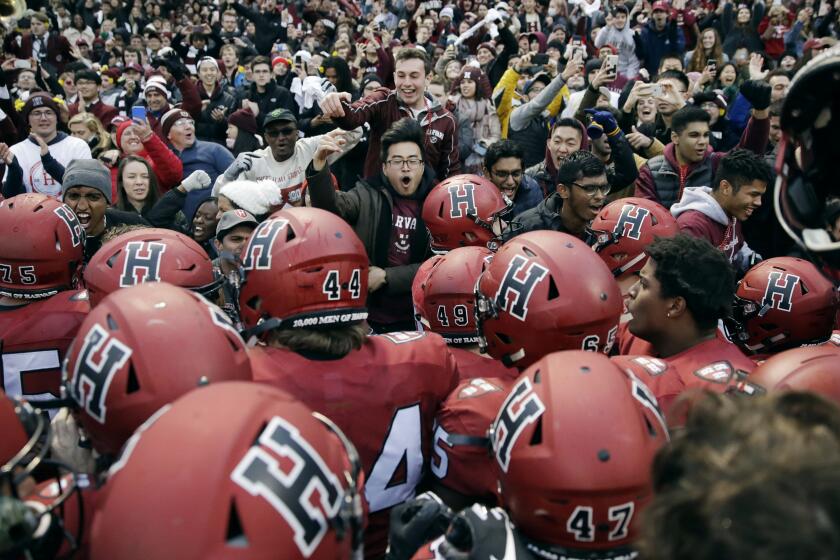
point(688, 160)
point(137, 139)
point(715, 213)
point(685, 288)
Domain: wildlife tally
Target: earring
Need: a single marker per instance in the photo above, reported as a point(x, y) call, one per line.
point(668, 315)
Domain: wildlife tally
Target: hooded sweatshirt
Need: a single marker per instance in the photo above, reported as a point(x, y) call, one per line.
point(700, 215)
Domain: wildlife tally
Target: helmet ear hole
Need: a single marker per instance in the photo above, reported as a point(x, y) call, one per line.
point(536, 437)
point(132, 384)
point(553, 292)
point(254, 303)
point(503, 338)
point(290, 233)
point(235, 533)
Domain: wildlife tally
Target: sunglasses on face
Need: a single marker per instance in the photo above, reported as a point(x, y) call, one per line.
point(286, 131)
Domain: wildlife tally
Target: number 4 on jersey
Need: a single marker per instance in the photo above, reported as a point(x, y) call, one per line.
point(401, 452)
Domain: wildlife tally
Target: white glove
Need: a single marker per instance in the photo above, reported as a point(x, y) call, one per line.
point(241, 164)
point(492, 15)
point(64, 444)
point(196, 180)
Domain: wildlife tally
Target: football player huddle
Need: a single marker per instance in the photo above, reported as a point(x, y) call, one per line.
point(528, 415)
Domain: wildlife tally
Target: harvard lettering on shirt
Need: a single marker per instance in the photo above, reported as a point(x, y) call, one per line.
point(403, 223)
point(384, 397)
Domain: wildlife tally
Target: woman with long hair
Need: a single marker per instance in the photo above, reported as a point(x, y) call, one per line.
point(478, 123)
point(137, 186)
point(87, 127)
point(709, 47)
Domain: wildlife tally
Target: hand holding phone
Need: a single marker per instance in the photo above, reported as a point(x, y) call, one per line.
point(611, 66)
point(138, 113)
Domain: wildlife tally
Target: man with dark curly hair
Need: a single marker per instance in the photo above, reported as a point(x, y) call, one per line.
point(685, 288)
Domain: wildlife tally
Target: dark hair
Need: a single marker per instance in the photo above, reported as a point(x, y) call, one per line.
point(122, 198)
point(687, 115)
point(743, 471)
point(259, 60)
point(408, 53)
point(578, 165)
point(567, 122)
point(404, 130)
point(740, 167)
point(775, 73)
point(674, 75)
point(345, 80)
point(691, 268)
point(502, 149)
point(776, 109)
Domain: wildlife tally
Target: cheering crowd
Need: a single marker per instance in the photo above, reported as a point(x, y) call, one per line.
point(420, 279)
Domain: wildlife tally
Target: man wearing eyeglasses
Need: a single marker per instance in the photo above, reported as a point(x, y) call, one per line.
point(284, 159)
point(178, 127)
point(385, 211)
point(37, 163)
point(582, 190)
point(503, 165)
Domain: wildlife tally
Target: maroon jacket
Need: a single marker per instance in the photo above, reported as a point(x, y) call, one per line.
point(102, 111)
point(382, 108)
point(59, 51)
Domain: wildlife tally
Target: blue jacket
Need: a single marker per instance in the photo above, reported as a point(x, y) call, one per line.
point(656, 44)
point(527, 196)
point(207, 156)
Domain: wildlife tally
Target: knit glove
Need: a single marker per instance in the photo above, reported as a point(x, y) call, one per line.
point(196, 180)
point(606, 120)
point(757, 92)
point(241, 164)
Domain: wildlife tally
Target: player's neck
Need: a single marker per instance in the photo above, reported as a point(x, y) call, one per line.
point(681, 338)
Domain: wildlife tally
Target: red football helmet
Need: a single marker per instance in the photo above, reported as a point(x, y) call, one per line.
point(23, 432)
point(574, 443)
point(781, 303)
point(448, 301)
point(149, 255)
point(417, 284)
point(270, 479)
point(304, 267)
point(42, 247)
point(624, 228)
point(463, 211)
point(144, 347)
point(545, 291)
point(810, 368)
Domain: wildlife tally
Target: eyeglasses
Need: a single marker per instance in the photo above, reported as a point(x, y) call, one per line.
point(505, 174)
point(413, 163)
point(274, 132)
point(47, 114)
point(184, 122)
point(591, 189)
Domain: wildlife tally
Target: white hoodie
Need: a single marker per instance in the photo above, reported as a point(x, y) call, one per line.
point(700, 199)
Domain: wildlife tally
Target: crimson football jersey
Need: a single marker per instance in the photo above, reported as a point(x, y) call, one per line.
point(384, 397)
point(710, 365)
point(34, 340)
point(472, 365)
point(462, 460)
